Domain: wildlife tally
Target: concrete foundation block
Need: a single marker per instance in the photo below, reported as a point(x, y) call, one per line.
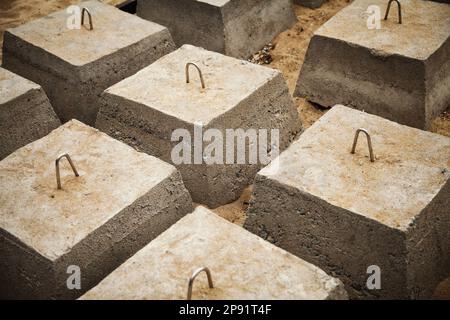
point(75, 65)
point(162, 269)
point(400, 71)
point(121, 200)
point(344, 213)
point(313, 4)
point(235, 28)
point(146, 109)
point(25, 113)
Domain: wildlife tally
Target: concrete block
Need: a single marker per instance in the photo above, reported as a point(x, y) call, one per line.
point(313, 4)
point(25, 113)
point(400, 72)
point(146, 108)
point(162, 269)
point(344, 213)
point(121, 200)
point(235, 28)
point(75, 65)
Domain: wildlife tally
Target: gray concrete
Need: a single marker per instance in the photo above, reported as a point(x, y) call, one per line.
point(400, 72)
point(25, 113)
point(344, 213)
point(122, 200)
point(75, 66)
point(313, 4)
point(235, 28)
point(145, 109)
point(162, 269)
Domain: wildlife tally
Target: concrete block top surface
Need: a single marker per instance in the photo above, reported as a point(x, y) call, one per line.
point(161, 270)
point(425, 27)
point(162, 85)
point(411, 166)
point(217, 3)
point(13, 86)
point(113, 30)
point(52, 221)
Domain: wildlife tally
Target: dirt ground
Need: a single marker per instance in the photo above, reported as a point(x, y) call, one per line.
point(288, 55)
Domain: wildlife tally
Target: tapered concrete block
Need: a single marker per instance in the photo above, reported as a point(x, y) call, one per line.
point(162, 269)
point(121, 200)
point(235, 28)
point(400, 71)
point(344, 213)
point(25, 113)
point(75, 65)
point(146, 109)
point(313, 4)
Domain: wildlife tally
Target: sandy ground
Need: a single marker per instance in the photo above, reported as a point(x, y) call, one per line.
point(288, 55)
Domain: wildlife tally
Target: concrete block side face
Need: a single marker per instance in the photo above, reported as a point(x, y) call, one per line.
point(189, 21)
point(23, 273)
point(16, 48)
point(340, 242)
point(70, 100)
point(336, 72)
point(437, 82)
point(428, 240)
point(313, 4)
point(74, 90)
point(271, 107)
point(249, 25)
point(27, 118)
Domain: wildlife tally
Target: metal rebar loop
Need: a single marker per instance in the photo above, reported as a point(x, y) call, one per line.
point(199, 72)
point(369, 142)
point(86, 10)
point(192, 278)
point(399, 10)
point(58, 176)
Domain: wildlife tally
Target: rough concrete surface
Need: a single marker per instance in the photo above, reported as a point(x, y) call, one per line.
point(121, 200)
point(146, 108)
point(400, 72)
point(75, 65)
point(236, 28)
point(310, 3)
point(344, 213)
point(25, 113)
point(162, 269)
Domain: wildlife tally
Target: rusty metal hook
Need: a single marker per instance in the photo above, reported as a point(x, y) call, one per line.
point(399, 10)
point(369, 142)
point(192, 278)
point(199, 72)
point(86, 10)
point(58, 176)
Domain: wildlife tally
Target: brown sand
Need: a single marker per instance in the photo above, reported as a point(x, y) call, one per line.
point(288, 56)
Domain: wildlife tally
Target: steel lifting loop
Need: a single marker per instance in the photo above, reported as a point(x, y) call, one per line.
point(86, 10)
point(58, 176)
point(369, 142)
point(399, 10)
point(194, 275)
point(199, 72)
